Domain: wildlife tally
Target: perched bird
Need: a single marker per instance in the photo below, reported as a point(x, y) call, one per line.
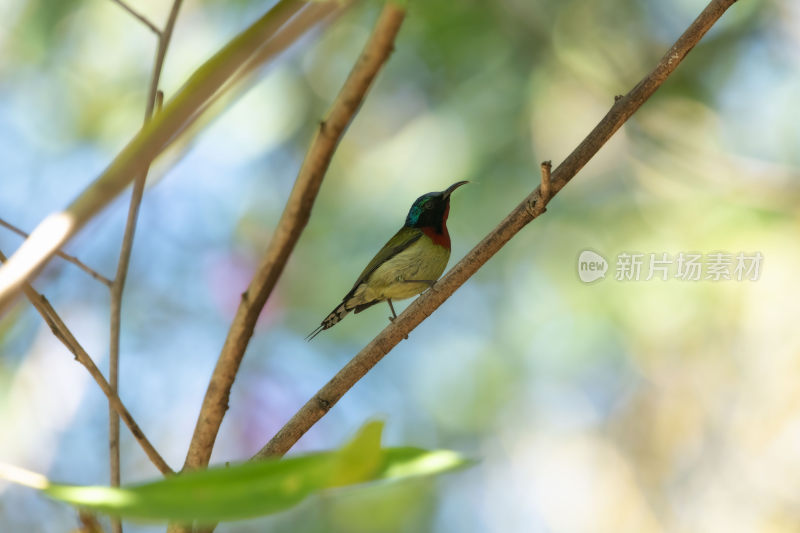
point(408, 264)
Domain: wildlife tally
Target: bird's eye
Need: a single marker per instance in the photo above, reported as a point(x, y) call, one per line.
point(427, 205)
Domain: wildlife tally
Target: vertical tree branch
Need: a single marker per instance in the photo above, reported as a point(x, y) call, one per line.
point(531, 207)
point(118, 286)
point(293, 220)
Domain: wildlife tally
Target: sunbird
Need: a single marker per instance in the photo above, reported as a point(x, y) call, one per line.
point(408, 264)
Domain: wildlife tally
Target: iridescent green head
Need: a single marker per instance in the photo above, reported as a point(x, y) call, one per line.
point(431, 210)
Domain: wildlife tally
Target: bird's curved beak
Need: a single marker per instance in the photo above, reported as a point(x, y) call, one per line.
point(448, 191)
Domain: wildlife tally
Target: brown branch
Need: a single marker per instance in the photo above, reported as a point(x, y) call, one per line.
point(89, 522)
point(294, 218)
point(71, 258)
point(178, 114)
point(158, 65)
point(118, 287)
point(544, 188)
point(531, 207)
point(138, 16)
point(62, 332)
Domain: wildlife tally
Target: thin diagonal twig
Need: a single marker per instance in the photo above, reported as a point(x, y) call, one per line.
point(294, 219)
point(138, 16)
point(62, 332)
point(71, 258)
point(530, 208)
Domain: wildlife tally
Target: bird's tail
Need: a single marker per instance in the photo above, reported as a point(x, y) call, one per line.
point(331, 320)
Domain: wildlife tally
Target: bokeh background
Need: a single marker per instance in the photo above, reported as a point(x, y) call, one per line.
point(624, 406)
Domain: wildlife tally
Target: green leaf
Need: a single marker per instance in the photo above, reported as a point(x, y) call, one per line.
point(360, 459)
point(401, 463)
point(241, 491)
point(257, 488)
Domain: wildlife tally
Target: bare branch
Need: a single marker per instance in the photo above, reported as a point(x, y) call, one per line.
point(532, 206)
point(544, 188)
point(71, 258)
point(63, 334)
point(178, 114)
point(118, 287)
point(158, 65)
point(89, 522)
point(294, 219)
point(138, 16)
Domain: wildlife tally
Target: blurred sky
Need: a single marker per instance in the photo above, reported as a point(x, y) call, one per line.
point(641, 406)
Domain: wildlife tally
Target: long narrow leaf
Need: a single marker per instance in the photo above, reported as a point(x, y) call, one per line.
point(258, 488)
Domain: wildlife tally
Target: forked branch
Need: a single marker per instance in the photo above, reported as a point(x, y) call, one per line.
point(62, 332)
point(176, 116)
point(66, 257)
point(138, 16)
point(293, 220)
point(531, 207)
point(118, 286)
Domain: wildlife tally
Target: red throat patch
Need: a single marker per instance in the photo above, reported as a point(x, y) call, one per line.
point(442, 239)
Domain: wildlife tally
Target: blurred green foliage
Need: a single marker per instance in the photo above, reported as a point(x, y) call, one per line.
point(234, 492)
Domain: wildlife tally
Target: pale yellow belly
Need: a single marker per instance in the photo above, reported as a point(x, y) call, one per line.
point(394, 279)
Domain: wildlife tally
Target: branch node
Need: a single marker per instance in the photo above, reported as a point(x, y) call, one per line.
point(138, 16)
point(323, 404)
point(532, 209)
point(618, 97)
point(159, 100)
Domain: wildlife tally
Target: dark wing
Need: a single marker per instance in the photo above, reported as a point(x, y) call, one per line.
point(401, 240)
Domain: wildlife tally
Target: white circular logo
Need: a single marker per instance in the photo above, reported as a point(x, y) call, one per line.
point(591, 266)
